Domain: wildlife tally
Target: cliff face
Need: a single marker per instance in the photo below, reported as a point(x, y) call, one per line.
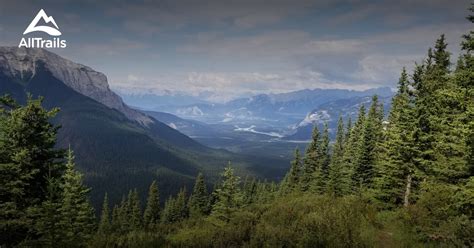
point(21, 63)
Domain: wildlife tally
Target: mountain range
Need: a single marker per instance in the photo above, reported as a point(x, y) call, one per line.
point(116, 147)
point(285, 116)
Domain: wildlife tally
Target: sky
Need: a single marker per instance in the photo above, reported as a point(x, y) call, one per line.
point(220, 50)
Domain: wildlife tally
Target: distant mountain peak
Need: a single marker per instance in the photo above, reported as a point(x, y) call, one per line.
point(22, 63)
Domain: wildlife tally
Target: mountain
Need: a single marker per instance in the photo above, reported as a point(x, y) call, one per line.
point(117, 147)
point(271, 114)
point(330, 112)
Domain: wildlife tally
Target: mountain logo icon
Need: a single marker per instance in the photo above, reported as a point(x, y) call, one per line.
point(47, 29)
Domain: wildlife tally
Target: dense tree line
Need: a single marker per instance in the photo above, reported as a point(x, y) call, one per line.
point(402, 180)
point(43, 200)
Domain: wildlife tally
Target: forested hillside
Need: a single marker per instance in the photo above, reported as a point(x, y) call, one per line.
point(402, 180)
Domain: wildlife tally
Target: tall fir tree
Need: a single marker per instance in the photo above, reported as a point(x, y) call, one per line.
point(104, 223)
point(199, 199)
point(324, 152)
point(168, 215)
point(339, 176)
point(312, 175)
point(151, 215)
point(77, 215)
point(364, 169)
point(181, 204)
point(291, 182)
point(28, 159)
point(250, 190)
point(229, 196)
point(134, 210)
point(351, 152)
point(397, 168)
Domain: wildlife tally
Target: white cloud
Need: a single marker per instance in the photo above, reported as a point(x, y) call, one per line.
point(224, 86)
point(381, 68)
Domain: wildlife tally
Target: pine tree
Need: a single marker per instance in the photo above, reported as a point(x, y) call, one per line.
point(199, 199)
point(104, 223)
point(352, 145)
point(151, 216)
point(122, 221)
point(181, 206)
point(339, 177)
point(168, 215)
point(77, 215)
point(291, 182)
point(250, 190)
point(229, 196)
point(312, 163)
point(28, 158)
point(324, 152)
point(135, 212)
point(367, 149)
point(347, 134)
point(47, 224)
point(396, 170)
point(116, 224)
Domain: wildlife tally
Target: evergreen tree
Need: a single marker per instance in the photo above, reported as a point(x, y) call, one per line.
point(397, 166)
point(347, 134)
point(367, 149)
point(28, 158)
point(339, 177)
point(181, 206)
point(104, 223)
point(312, 165)
point(134, 210)
point(229, 196)
point(151, 216)
point(48, 221)
point(291, 182)
point(352, 145)
point(77, 215)
point(168, 215)
point(324, 152)
point(250, 190)
point(199, 199)
point(116, 224)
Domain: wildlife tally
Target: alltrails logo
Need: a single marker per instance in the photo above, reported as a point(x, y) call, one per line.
point(51, 30)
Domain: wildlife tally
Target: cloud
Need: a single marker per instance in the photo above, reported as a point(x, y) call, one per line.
point(380, 68)
point(225, 86)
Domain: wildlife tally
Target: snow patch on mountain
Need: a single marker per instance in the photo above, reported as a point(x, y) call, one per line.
point(319, 117)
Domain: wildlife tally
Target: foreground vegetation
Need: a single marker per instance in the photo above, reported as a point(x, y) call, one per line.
point(401, 181)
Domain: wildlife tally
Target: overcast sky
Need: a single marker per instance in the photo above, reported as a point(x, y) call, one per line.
point(225, 49)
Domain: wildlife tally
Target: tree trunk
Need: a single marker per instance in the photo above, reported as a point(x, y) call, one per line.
point(406, 201)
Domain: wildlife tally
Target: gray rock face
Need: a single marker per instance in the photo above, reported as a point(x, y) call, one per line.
point(21, 63)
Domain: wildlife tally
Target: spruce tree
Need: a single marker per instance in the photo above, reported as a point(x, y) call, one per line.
point(168, 215)
point(291, 182)
point(367, 149)
point(250, 191)
point(104, 223)
point(181, 206)
point(339, 177)
point(229, 196)
point(312, 163)
point(352, 145)
point(28, 158)
point(77, 215)
point(135, 212)
point(324, 152)
point(397, 167)
point(199, 199)
point(151, 216)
